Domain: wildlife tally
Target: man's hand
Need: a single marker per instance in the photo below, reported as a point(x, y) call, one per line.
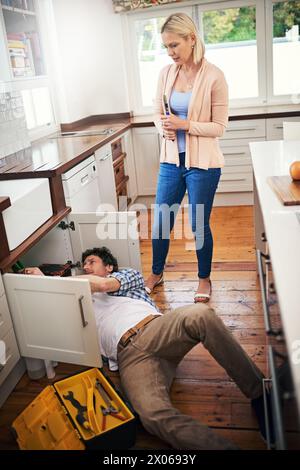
point(174, 123)
point(34, 271)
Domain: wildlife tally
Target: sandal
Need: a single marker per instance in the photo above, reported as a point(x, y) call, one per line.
point(160, 281)
point(203, 298)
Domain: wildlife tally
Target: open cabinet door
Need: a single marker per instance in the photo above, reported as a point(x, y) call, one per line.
point(53, 318)
point(115, 230)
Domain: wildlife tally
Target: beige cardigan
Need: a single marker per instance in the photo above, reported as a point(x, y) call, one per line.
point(207, 112)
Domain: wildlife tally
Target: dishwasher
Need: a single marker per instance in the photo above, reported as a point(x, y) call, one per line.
point(81, 186)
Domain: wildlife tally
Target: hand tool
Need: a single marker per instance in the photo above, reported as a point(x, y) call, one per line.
point(106, 398)
point(80, 418)
point(105, 412)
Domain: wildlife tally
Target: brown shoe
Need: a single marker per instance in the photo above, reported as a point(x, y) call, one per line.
point(157, 283)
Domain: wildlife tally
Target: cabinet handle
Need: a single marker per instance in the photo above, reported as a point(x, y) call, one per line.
point(234, 153)
point(232, 179)
point(84, 322)
point(242, 129)
point(102, 159)
point(278, 127)
point(265, 383)
point(266, 312)
point(276, 404)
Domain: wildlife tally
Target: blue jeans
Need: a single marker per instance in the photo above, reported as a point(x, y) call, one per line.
point(172, 184)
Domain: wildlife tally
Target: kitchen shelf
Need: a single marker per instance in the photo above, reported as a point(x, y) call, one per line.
point(18, 10)
point(14, 255)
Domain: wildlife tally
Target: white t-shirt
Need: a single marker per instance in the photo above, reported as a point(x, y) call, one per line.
point(114, 316)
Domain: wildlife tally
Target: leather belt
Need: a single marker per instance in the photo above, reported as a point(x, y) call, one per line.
point(134, 330)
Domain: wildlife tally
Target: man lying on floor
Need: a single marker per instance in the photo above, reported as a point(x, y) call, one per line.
point(148, 346)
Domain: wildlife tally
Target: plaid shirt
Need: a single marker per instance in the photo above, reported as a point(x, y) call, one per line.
point(132, 285)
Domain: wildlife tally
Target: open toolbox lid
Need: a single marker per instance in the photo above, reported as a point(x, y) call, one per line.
point(72, 415)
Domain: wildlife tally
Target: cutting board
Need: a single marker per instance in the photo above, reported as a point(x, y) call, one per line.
point(286, 189)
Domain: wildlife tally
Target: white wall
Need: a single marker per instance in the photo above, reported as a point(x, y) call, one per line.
point(89, 59)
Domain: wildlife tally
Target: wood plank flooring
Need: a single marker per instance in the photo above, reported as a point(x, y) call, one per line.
point(201, 388)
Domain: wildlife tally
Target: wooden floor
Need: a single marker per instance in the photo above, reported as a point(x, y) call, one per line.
point(202, 388)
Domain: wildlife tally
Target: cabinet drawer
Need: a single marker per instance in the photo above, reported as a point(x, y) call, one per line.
point(119, 171)
point(239, 170)
point(245, 129)
point(237, 156)
point(11, 355)
point(235, 182)
point(116, 148)
point(275, 127)
point(5, 320)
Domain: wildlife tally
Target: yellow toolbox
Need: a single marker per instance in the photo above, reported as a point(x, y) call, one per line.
point(83, 411)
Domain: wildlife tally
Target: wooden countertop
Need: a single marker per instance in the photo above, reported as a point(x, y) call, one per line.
point(55, 155)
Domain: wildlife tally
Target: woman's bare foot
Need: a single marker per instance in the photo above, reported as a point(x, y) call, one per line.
point(153, 281)
point(204, 290)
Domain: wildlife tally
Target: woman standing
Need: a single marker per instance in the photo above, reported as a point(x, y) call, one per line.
point(191, 112)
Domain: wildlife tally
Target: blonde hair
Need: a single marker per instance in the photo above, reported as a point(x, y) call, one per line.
point(183, 25)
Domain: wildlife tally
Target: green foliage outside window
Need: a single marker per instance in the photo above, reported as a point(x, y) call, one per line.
point(239, 24)
point(285, 15)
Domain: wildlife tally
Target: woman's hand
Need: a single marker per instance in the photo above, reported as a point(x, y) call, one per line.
point(174, 123)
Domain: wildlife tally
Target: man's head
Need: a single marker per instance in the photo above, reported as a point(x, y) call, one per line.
point(99, 261)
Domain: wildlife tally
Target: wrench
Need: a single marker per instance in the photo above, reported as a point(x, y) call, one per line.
point(110, 408)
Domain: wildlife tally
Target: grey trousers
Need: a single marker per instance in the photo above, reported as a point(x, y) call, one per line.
point(148, 364)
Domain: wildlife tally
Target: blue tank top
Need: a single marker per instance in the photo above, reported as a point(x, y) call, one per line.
point(179, 103)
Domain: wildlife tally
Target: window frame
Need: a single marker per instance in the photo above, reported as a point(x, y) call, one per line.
point(264, 38)
point(260, 100)
point(39, 81)
point(271, 98)
point(133, 76)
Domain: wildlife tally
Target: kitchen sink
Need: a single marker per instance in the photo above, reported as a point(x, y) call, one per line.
point(87, 132)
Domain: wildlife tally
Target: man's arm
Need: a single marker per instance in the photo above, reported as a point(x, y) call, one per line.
point(97, 283)
point(129, 280)
point(101, 284)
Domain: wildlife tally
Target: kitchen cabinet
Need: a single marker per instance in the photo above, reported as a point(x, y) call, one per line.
point(53, 317)
point(274, 127)
point(146, 143)
point(22, 38)
point(237, 172)
point(11, 365)
point(9, 353)
point(278, 262)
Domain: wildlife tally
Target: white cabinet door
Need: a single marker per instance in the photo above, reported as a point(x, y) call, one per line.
point(53, 318)
point(106, 177)
point(130, 166)
point(115, 230)
point(146, 155)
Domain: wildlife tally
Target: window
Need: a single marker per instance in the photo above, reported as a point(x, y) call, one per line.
point(255, 42)
point(37, 106)
point(286, 48)
point(231, 43)
point(151, 55)
point(147, 55)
